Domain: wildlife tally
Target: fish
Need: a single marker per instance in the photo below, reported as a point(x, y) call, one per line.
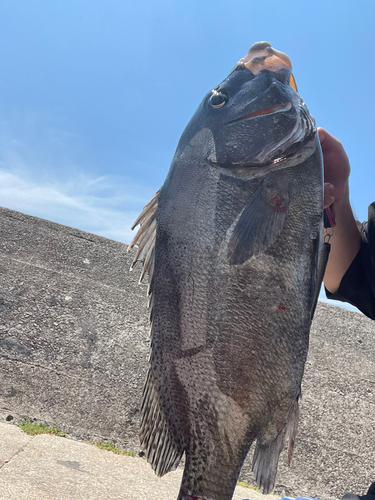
point(230, 245)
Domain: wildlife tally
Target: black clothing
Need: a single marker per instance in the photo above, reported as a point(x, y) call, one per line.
point(358, 288)
point(358, 284)
point(369, 496)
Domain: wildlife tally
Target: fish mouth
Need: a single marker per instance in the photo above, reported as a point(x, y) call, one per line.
point(278, 108)
point(290, 159)
point(302, 129)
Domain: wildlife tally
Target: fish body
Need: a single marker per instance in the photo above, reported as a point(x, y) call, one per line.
point(230, 244)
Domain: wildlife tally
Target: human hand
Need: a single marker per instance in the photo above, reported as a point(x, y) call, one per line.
point(336, 168)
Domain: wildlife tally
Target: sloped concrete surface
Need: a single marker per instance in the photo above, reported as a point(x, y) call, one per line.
point(74, 349)
point(73, 329)
point(47, 467)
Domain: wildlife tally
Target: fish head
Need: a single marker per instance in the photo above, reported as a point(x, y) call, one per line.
point(255, 116)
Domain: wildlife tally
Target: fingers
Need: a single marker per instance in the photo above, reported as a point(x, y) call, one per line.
point(333, 152)
point(322, 134)
point(336, 166)
point(329, 142)
point(329, 197)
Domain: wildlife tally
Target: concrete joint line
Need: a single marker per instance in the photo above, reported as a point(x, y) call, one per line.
point(35, 365)
point(83, 238)
point(57, 372)
point(65, 273)
point(17, 452)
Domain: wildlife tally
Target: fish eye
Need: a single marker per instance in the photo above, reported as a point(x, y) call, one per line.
point(217, 100)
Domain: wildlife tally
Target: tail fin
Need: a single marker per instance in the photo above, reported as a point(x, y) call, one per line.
point(266, 456)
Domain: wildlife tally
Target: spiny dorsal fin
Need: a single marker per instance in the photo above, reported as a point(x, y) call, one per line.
point(150, 207)
point(145, 238)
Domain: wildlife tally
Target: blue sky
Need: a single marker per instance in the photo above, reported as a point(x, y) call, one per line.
point(94, 94)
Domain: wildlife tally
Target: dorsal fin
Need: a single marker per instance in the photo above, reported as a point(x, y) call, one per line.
point(163, 452)
point(145, 238)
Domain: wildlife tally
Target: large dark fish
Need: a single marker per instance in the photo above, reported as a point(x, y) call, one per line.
point(230, 244)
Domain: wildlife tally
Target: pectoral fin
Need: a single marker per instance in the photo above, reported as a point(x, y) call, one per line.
point(261, 221)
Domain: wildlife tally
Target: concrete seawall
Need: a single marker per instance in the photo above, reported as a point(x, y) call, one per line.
point(74, 349)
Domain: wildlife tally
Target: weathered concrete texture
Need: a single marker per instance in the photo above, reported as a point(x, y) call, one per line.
point(74, 349)
point(48, 467)
point(73, 329)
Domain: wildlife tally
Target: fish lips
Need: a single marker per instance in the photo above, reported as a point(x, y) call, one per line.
point(277, 108)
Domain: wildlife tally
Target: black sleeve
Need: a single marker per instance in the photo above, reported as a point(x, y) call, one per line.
point(358, 284)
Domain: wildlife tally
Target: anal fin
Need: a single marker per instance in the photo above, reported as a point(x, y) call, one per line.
point(266, 456)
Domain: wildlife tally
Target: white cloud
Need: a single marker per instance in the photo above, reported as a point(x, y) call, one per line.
point(78, 203)
point(40, 175)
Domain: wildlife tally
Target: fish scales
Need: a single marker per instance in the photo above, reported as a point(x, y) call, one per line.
point(232, 280)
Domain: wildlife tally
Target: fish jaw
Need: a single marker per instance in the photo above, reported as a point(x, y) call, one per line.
point(270, 127)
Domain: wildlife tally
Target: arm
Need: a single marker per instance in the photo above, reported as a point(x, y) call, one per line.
point(346, 240)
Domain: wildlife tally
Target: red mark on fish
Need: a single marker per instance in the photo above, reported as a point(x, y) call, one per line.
point(278, 203)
